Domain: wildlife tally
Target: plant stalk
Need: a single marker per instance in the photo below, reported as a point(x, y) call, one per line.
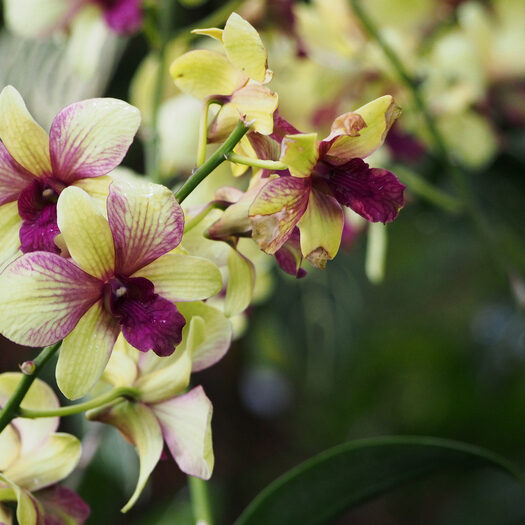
point(215, 160)
point(12, 407)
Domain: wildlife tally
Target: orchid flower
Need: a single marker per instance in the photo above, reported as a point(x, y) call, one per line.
point(34, 458)
point(86, 141)
point(37, 18)
point(324, 176)
point(120, 278)
point(236, 79)
point(163, 411)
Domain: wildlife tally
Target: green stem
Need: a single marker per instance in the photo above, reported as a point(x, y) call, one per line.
point(200, 500)
point(78, 408)
point(257, 163)
point(194, 221)
point(405, 76)
point(203, 131)
point(12, 407)
point(152, 144)
point(424, 189)
point(215, 160)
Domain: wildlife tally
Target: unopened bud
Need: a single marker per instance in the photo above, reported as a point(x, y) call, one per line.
point(28, 367)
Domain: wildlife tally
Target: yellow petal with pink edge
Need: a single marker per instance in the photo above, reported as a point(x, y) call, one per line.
point(43, 297)
point(186, 426)
point(32, 432)
point(86, 232)
point(244, 47)
point(299, 153)
point(276, 210)
point(48, 464)
point(138, 424)
point(349, 139)
point(204, 73)
point(25, 140)
point(183, 277)
point(85, 352)
point(146, 222)
point(321, 228)
point(91, 137)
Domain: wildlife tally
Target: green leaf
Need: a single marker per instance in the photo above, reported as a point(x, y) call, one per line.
point(343, 477)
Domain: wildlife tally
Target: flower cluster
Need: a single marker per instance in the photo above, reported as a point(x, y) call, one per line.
point(131, 285)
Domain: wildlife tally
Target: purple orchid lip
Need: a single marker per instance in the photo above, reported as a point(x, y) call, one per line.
point(148, 321)
point(37, 206)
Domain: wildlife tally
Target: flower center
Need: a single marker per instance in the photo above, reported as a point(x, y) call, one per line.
point(37, 207)
point(148, 321)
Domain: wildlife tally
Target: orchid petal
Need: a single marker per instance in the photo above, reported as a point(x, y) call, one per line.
point(212, 32)
point(166, 377)
point(241, 282)
point(204, 73)
point(146, 221)
point(138, 424)
point(37, 18)
point(340, 146)
point(244, 47)
point(25, 140)
point(373, 193)
point(97, 188)
point(10, 446)
point(186, 425)
point(209, 338)
point(28, 510)
point(86, 232)
point(255, 103)
point(43, 297)
point(121, 369)
point(32, 432)
point(13, 177)
point(85, 352)
point(10, 223)
point(183, 277)
point(64, 506)
point(299, 153)
point(48, 464)
point(321, 228)
point(277, 209)
point(90, 138)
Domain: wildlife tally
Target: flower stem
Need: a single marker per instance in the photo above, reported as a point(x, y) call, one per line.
point(215, 160)
point(152, 144)
point(428, 191)
point(200, 500)
point(257, 163)
point(203, 131)
point(78, 408)
point(12, 407)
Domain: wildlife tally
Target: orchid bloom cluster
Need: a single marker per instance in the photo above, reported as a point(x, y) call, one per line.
point(113, 269)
